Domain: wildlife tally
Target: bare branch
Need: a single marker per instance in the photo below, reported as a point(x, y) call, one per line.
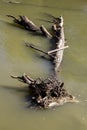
point(55, 50)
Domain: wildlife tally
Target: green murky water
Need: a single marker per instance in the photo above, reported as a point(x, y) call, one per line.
point(15, 59)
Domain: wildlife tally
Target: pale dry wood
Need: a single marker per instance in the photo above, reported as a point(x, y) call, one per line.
point(59, 31)
point(55, 50)
point(45, 32)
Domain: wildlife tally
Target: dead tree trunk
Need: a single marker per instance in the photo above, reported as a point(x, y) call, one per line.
point(58, 31)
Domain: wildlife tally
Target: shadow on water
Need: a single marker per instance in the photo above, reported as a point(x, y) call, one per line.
point(13, 88)
point(23, 93)
point(12, 24)
point(15, 25)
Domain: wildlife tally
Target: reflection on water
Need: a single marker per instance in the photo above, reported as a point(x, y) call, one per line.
point(16, 59)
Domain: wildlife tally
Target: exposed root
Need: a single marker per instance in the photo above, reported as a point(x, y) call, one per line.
point(46, 93)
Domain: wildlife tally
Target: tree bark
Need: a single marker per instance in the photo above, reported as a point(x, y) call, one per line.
point(45, 32)
point(58, 31)
point(29, 25)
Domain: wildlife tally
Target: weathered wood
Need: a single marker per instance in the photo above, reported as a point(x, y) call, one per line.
point(55, 50)
point(29, 25)
point(46, 93)
point(45, 32)
point(59, 33)
point(24, 78)
point(26, 23)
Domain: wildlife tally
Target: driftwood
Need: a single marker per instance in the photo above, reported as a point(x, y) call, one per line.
point(25, 22)
point(49, 92)
point(29, 25)
point(45, 32)
point(46, 93)
point(58, 31)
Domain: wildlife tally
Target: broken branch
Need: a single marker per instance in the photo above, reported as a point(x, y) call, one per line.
point(55, 50)
point(24, 78)
point(45, 32)
point(33, 47)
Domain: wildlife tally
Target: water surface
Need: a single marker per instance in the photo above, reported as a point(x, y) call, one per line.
point(16, 59)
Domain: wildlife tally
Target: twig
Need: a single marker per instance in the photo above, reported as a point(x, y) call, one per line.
point(24, 78)
point(15, 19)
point(55, 50)
point(33, 47)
